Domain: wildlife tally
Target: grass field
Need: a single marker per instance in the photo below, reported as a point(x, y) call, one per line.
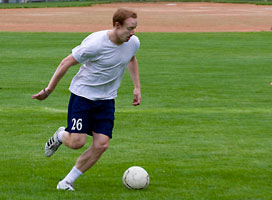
point(203, 130)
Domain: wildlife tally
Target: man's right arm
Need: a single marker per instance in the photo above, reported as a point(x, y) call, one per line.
point(63, 67)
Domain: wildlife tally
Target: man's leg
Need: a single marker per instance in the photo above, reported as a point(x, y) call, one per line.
point(92, 154)
point(86, 160)
point(73, 140)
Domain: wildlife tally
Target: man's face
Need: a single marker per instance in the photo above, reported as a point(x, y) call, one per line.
point(127, 30)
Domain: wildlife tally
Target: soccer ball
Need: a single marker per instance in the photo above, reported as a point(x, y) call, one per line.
point(136, 178)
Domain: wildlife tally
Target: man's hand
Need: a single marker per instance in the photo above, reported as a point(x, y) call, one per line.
point(41, 95)
point(137, 97)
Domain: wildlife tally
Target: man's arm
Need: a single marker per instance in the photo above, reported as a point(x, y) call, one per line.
point(134, 73)
point(63, 67)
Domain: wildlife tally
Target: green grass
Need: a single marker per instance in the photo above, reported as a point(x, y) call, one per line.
point(86, 3)
point(51, 4)
point(203, 130)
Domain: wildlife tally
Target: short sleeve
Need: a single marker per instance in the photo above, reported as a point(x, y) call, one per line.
point(83, 52)
point(86, 50)
point(136, 44)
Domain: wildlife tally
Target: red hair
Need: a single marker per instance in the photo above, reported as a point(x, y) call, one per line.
point(122, 14)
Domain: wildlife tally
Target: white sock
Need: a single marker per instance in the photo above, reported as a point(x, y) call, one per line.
point(60, 136)
point(73, 175)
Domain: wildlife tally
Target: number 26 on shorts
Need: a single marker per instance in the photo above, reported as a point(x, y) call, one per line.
point(77, 124)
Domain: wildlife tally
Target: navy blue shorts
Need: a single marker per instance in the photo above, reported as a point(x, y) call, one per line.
point(85, 116)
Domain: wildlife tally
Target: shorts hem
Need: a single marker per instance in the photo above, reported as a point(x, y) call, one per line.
point(90, 134)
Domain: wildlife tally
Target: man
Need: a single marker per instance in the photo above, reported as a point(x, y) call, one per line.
point(104, 56)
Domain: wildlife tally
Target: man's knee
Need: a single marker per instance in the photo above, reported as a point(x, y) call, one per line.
point(77, 141)
point(101, 147)
point(100, 142)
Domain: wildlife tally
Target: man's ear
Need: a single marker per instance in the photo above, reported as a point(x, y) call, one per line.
point(117, 25)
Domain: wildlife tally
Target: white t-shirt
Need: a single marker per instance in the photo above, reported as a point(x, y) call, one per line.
point(103, 65)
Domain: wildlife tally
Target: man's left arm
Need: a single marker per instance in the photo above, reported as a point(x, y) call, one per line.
point(134, 73)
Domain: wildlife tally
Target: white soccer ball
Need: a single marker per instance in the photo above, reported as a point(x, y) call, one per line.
point(136, 178)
